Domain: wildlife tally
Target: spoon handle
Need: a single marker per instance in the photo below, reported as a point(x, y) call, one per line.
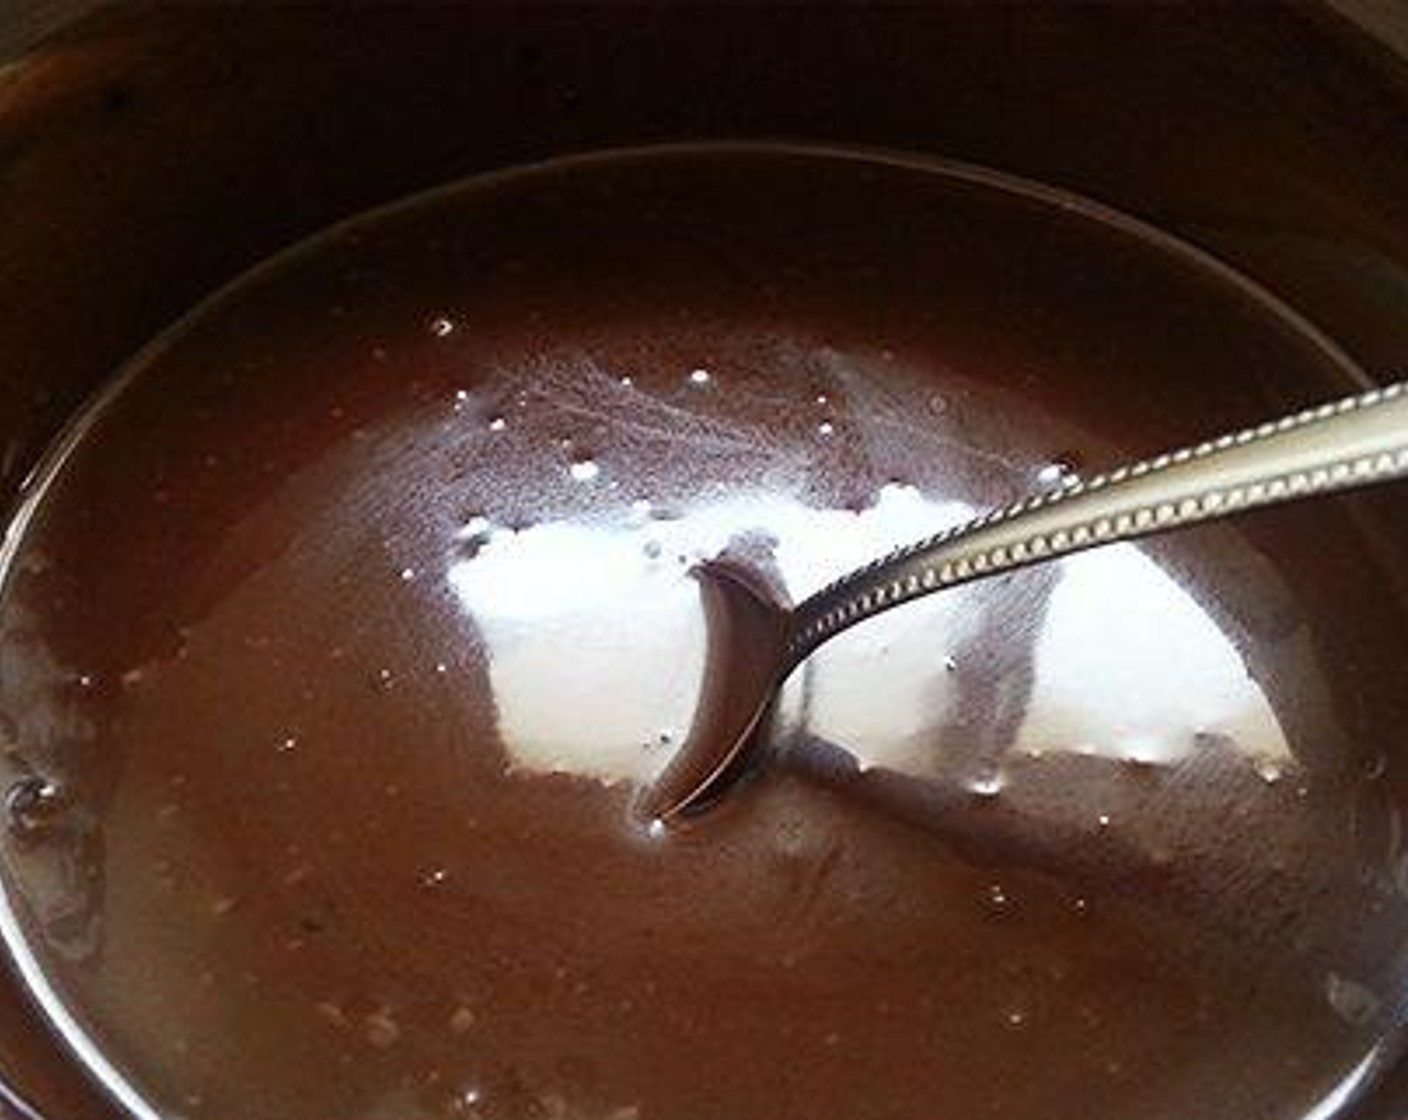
point(1351, 442)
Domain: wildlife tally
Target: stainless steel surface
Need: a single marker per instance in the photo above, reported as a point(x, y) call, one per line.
point(1351, 442)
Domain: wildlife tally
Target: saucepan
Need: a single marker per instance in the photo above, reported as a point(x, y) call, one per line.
point(1169, 179)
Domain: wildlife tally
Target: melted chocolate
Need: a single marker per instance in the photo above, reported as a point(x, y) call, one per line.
point(344, 632)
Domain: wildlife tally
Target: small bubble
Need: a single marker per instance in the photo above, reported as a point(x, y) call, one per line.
point(986, 786)
point(441, 668)
point(436, 877)
point(31, 805)
point(85, 680)
point(626, 382)
point(950, 664)
point(474, 528)
point(584, 470)
point(287, 743)
point(1058, 472)
point(822, 399)
point(652, 550)
point(384, 679)
point(497, 424)
point(440, 326)
point(1352, 1001)
point(1103, 820)
point(1375, 767)
point(1081, 906)
point(666, 737)
point(461, 398)
point(825, 428)
point(381, 1030)
point(938, 404)
point(655, 829)
point(1267, 769)
point(699, 377)
point(331, 1013)
point(407, 574)
point(1015, 1020)
point(997, 897)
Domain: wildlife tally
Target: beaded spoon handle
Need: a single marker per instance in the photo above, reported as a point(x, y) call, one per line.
point(755, 643)
point(1356, 441)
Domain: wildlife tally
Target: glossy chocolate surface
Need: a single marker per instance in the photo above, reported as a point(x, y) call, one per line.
point(344, 634)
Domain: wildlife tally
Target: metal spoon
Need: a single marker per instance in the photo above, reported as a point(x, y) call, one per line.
point(755, 642)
